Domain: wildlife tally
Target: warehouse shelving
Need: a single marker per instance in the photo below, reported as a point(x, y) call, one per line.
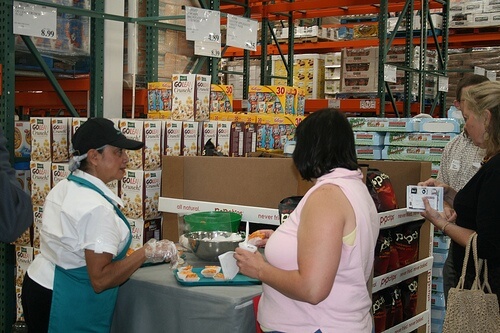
point(82, 91)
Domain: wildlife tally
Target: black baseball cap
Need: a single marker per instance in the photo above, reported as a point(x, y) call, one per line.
point(98, 132)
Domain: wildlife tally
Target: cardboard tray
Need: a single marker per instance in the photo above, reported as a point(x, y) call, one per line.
point(239, 280)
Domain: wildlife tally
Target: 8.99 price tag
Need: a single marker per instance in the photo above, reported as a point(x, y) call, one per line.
point(34, 20)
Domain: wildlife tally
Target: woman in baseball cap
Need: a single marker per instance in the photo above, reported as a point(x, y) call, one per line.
point(72, 284)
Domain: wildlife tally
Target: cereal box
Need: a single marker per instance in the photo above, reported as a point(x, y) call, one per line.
point(268, 99)
point(208, 132)
point(76, 122)
point(22, 139)
point(40, 181)
point(152, 188)
point(159, 96)
point(60, 171)
point(249, 138)
point(142, 231)
point(152, 144)
point(221, 98)
point(19, 304)
point(223, 137)
point(132, 193)
point(40, 139)
point(172, 137)
point(202, 94)
point(37, 227)
point(237, 139)
point(24, 257)
point(114, 186)
point(60, 147)
point(189, 138)
point(24, 178)
point(183, 96)
point(300, 102)
point(140, 192)
point(290, 98)
point(133, 129)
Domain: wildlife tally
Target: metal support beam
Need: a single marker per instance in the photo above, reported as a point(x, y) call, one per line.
point(152, 43)
point(97, 65)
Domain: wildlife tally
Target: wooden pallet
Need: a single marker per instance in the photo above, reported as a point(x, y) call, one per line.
point(472, 30)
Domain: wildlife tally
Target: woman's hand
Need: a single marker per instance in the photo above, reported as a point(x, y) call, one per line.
point(250, 263)
point(448, 192)
point(433, 215)
point(259, 238)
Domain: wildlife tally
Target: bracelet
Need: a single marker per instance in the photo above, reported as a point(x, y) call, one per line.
point(444, 228)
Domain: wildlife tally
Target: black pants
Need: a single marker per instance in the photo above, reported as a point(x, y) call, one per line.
point(36, 302)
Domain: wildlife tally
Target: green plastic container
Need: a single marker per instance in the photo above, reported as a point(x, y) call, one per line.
point(213, 221)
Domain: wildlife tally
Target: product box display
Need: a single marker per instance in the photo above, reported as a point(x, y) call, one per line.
point(202, 97)
point(22, 139)
point(189, 138)
point(60, 171)
point(140, 191)
point(183, 96)
point(172, 137)
point(418, 139)
point(432, 154)
point(159, 96)
point(382, 124)
point(369, 138)
point(308, 73)
point(41, 136)
point(221, 98)
point(41, 174)
point(60, 143)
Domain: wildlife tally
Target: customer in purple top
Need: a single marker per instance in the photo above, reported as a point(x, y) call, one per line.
point(318, 262)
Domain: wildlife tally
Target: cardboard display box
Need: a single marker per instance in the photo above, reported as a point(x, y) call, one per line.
point(257, 181)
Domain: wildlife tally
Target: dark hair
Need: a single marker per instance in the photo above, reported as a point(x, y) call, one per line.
point(467, 81)
point(325, 141)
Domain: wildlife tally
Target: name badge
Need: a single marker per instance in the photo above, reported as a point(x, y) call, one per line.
point(455, 165)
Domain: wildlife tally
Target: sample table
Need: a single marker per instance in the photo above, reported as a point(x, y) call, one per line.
point(153, 301)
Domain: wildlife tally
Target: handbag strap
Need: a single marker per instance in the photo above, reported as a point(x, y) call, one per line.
point(461, 281)
point(478, 265)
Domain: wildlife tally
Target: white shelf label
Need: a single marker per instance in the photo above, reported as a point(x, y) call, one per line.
point(242, 32)
point(34, 20)
point(367, 104)
point(202, 25)
point(249, 213)
point(411, 324)
point(401, 274)
point(396, 217)
point(334, 103)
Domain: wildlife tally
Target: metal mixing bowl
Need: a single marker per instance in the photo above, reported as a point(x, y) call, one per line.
point(205, 248)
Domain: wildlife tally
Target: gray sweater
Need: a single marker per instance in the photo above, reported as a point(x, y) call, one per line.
point(16, 213)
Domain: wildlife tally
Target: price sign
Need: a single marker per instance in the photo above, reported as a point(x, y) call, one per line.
point(208, 49)
point(203, 25)
point(491, 75)
point(479, 70)
point(242, 32)
point(389, 73)
point(34, 20)
point(334, 103)
point(367, 104)
point(443, 83)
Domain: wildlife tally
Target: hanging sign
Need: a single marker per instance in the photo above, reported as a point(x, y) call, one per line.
point(34, 20)
point(443, 83)
point(241, 32)
point(208, 49)
point(491, 75)
point(479, 70)
point(202, 25)
point(390, 73)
